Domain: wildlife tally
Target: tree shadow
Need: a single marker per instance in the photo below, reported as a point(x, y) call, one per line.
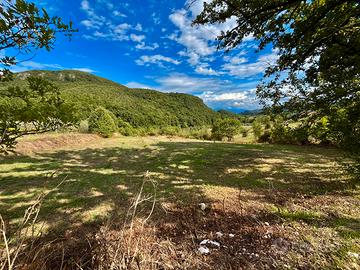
point(101, 182)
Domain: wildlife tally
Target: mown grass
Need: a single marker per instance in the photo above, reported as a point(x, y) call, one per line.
point(297, 184)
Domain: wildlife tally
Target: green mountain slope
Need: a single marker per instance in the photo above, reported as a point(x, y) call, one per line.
point(139, 107)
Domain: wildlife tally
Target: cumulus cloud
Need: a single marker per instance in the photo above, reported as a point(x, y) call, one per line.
point(204, 69)
point(241, 68)
point(199, 41)
point(103, 27)
point(137, 38)
point(143, 46)
point(155, 59)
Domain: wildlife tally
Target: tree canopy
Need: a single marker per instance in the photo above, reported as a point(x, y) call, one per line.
point(318, 43)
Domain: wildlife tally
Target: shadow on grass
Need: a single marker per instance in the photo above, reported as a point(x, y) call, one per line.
point(100, 182)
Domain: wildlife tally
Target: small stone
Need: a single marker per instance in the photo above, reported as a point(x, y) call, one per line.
point(353, 255)
point(219, 234)
point(231, 235)
point(202, 206)
point(203, 250)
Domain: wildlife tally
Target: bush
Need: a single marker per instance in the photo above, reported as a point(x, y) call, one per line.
point(102, 122)
point(169, 130)
point(200, 134)
point(283, 134)
point(225, 128)
point(84, 126)
point(280, 133)
point(257, 129)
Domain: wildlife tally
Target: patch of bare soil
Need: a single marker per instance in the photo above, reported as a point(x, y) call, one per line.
point(49, 143)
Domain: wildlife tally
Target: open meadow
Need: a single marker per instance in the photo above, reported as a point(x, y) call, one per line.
point(267, 206)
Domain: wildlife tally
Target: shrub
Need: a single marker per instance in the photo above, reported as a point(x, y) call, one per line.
point(169, 130)
point(257, 129)
point(280, 133)
point(84, 126)
point(200, 134)
point(225, 128)
point(102, 122)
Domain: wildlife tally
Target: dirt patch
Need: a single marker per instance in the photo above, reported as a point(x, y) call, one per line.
point(49, 143)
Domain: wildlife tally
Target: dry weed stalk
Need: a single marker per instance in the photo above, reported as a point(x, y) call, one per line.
point(17, 243)
point(132, 249)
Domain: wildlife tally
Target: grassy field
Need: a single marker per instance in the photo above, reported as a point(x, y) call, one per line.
point(289, 207)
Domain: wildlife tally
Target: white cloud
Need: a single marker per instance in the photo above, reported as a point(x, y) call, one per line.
point(137, 38)
point(198, 40)
point(105, 28)
point(205, 70)
point(226, 96)
point(31, 65)
point(137, 85)
point(138, 27)
point(218, 93)
point(118, 14)
point(241, 68)
point(88, 70)
point(142, 46)
point(155, 59)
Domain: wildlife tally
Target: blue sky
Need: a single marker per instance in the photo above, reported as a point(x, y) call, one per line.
point(151, 44)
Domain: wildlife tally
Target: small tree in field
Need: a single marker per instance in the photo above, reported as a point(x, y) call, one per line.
point(101, 122)
point(227, 127)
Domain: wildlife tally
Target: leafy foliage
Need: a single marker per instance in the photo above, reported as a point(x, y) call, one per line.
point(257, 128)
point(227, 127)
point(102, 122)
point(318, 44)
point(32, 109)
point(36, 108)
point(317, 72)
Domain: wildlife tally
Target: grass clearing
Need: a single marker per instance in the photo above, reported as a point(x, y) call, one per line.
point(290, 205)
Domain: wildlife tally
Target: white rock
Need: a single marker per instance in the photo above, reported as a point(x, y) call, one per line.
point(202, 206)
point(231, 235)
point(354, 255)
point(203, 250)
point(204, 242)
point(267, 224)
point(219, 234)
point(210, 242)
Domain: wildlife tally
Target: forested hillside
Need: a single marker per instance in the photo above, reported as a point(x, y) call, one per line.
point(139, 107)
